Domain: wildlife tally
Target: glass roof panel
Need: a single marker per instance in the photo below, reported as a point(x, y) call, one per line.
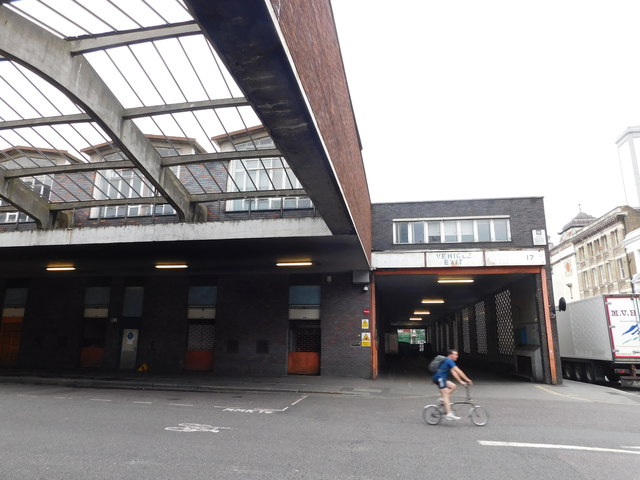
point(25, 95)
point(72, 18)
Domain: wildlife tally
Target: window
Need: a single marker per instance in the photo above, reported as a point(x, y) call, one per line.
point(466, 231)
point(605, 243)
point(590, 249)
point(127, 183)
point(585, 279)
point(601, 274)
point(614, 238)
point(622, 269)
point(452, 231)
point(259, 175)
point(581, 254)
point(501, 230)
point(484, 231)
point(609, 272)
point(434, 232)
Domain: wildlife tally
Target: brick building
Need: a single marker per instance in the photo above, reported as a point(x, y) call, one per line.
point(186, 190)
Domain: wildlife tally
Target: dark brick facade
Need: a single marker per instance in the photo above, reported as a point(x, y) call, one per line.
point(251, 326)
point(342, 313)
point(526, 214)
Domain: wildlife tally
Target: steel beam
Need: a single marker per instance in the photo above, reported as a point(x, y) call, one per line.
point(50, 57)
point(82, 45)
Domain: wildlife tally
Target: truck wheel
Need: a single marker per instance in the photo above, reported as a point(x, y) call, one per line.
point(589, 373)
point(567, 370)
point(578, 372)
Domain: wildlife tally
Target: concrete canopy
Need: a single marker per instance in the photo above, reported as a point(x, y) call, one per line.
point(242, 33)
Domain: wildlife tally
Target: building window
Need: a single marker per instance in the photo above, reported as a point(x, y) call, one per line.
point(622, 269)
point(127, 183)
point(585, 280)
point(605, 242)
point(609, 272)
point(614, 238)
point(452, 231)
point(590, 249)
point(263, 174)
point(601, 274)
point(581, 254)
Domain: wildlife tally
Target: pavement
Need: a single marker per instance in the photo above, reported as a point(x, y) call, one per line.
point(407, 383)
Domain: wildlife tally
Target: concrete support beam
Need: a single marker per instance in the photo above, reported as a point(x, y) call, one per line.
point(184, 107)
point(50, 57)
point(111, 40)
point(25, 200)
point(45, 121)
point(127, 113)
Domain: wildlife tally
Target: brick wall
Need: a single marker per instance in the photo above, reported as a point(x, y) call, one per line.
point(310, 34)
point(526, 214)
point(252, 309)
point(341, 313)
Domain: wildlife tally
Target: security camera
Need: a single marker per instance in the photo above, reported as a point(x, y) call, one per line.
point(365, 288)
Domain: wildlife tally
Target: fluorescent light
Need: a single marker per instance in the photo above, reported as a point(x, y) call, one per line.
point(61, 268)
point(415, 319)
point(171, 265)
point(455, 280)
point(422, 312)
point(294, 264)
point(432, 300)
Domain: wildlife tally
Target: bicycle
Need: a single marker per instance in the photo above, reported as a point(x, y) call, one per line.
point(432, 414)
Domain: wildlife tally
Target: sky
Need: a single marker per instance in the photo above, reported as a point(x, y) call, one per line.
point(464, 99)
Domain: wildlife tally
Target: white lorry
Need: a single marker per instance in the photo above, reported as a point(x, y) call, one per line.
point(599, 339)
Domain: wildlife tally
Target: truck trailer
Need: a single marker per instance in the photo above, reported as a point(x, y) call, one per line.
point(599, 339)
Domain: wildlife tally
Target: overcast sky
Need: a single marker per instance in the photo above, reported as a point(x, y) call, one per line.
point(463, 99)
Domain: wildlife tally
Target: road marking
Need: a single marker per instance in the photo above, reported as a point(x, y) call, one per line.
point(100, 399)
point(233, 409)
point(29, 396)
point(573, 397)
point(144, 403)
point(196, 427)
point(626, 446)
point(299, 400)
point(555, 447)
point(181, 404)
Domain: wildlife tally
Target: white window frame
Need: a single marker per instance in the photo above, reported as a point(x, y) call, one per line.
point(272, 172)
point(458, 223)
point(117, 184)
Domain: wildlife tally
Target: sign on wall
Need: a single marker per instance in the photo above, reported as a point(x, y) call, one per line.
point(365, 339)
point(455, 259)
point(515, 257)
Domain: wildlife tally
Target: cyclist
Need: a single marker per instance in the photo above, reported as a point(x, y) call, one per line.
point(446, 386)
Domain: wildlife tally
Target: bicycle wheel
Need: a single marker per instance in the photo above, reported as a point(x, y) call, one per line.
point(479, 415)
point(431, 415)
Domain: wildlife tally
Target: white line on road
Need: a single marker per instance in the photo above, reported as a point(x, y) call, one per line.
point(100, 399)
point(29, 396)
point(556, 447)
point(144, 403)
point(181, 404)
point(299, 400)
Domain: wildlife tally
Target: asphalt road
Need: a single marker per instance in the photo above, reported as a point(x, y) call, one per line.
point(575, 431)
